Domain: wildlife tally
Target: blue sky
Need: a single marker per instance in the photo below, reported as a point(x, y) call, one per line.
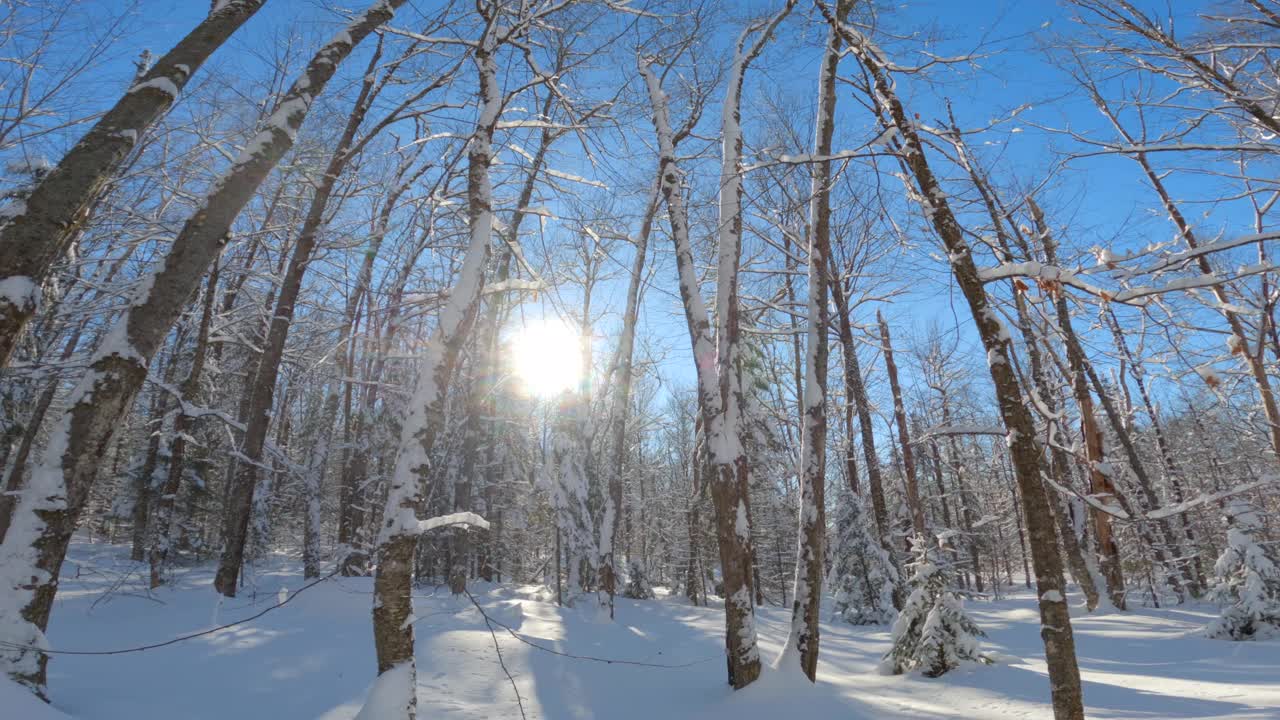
point(1101, 201)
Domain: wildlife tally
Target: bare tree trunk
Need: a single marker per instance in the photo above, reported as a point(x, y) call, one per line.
point(856, 396)
point(728, 491)
point(904, 435)
point(262, 382)
point(1172, 473)
point(162, 525)
point(424, 415)
point(1100, 483)
point(313, 485)
point(13, 483)
point(702, 474)
point(146, 474)
point(31, 242)
point(1055, 620)
point(804, 638)
point(875, 482)
point(351, 493)
point(621, 408)
point(1008, 233)
point(50, 505)
point(718, 387)
point(847, 349)
point(966, 503)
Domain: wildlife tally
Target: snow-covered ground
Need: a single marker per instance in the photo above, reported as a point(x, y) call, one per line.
point(313, 658)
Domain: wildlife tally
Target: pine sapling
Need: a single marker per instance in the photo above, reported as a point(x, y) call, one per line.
point(1247, 582)
point(932, 633)
point(861, 576)
point(638, 587)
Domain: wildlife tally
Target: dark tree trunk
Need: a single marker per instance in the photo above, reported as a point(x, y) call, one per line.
point(119, 367)
point(161, 540)
point(904, 435)
point(1055, 619)
point(262, 382)
point(30, 243)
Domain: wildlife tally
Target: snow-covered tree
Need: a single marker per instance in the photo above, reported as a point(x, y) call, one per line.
point(59, 486)
point(637, 584)
point(862, 575)
point(933, 633)
point(32, 241)
point(1247, 581)
point(567, 485)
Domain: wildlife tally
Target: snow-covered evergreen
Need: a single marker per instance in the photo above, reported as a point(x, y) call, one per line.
point(565, 481)
point(1247, 581)
point(932, 633)
point(638, 587)
point(862, 577)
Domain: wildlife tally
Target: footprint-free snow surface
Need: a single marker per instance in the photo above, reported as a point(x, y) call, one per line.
point(313, 658)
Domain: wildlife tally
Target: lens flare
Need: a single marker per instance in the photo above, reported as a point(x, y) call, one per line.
point(547, 357)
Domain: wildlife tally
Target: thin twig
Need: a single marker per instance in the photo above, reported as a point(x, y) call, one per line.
point(498, 649)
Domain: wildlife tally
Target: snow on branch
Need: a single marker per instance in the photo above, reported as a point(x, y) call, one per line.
point(1145, 148)
point(543, 124)
point(1091, 500)
point(468, 519)
point(1179, 259)
point(1139, 296)
point(963, 429)
point(1191, 283)
point(575, 178)
point(1048, 273)
point(861, 151)
point(1195, 502)
point(514, 286)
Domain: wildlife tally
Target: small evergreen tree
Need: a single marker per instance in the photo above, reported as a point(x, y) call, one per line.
point(1248, 582)
point(637, 585)
point(932, 633)
point(861, 576)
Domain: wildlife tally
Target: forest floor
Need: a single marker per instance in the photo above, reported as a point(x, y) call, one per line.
point(313, 658)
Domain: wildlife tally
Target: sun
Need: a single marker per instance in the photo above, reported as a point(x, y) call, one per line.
point(547, 357)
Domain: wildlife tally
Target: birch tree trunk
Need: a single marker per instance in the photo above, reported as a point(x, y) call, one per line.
point(49, 507)
point(31, 242)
